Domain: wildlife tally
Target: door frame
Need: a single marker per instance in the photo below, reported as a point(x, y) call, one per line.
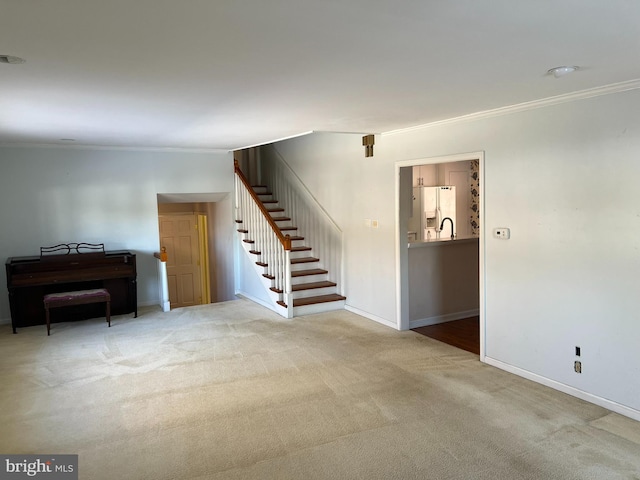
point(402, 251)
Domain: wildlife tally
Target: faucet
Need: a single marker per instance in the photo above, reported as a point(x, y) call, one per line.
point(442, 225)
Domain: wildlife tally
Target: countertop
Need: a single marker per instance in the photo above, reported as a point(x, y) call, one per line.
point(441, 242)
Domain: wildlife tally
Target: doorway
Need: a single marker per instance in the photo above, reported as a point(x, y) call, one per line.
point(213, 222)
point(185, 241)
point(441, 282)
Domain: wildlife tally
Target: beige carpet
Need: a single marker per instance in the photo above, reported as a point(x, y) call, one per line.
point(233, 391)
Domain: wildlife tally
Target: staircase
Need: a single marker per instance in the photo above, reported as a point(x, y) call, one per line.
point(311, 290)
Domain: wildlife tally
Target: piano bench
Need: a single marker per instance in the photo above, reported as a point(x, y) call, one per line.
point(80, 297)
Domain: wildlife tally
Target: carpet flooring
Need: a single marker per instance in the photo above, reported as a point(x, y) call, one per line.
point(234, 391)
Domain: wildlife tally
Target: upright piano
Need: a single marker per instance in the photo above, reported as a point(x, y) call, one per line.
point(29, 279)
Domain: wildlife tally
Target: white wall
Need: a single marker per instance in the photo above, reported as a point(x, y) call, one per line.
point(564, 179)
point(224, 236)
point(62, 195)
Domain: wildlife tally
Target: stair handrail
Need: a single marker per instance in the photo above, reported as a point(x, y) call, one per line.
point(285, 240)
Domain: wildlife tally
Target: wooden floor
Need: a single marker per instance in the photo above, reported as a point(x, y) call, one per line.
point(464, 334)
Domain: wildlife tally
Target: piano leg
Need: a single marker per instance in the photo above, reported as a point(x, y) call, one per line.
point(46, 313)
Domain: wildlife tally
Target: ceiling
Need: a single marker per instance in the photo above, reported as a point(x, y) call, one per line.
point(224, 74)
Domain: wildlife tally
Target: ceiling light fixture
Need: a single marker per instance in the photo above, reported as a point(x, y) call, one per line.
point(562, 71)
point(11, 59)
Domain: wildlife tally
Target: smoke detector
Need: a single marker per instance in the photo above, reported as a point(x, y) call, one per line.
point(11, 59)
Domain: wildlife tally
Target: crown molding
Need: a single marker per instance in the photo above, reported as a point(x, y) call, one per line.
point(522, 107)
point(112, 147)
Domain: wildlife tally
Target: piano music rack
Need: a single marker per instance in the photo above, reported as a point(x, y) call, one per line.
point(68, 248)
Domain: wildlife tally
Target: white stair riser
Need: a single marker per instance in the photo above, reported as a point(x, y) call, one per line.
point(309, 278)
point(318, 308)
point(301, 254)
point(313, 292)
point(304, 266)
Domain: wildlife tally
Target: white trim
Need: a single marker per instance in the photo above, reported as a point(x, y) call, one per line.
point(371, 316)
point(575, 392)
point(73, 146)
point(402, 297)
point(448, 317)
point(521, 107)
point(5, 321)
point(482, 271)
point(343, 132)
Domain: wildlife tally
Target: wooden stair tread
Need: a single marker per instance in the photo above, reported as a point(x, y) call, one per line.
point(283, 229)
point(277, 209)
point(311, 271)
point(311, 285)
point(242, 230)
point(333, 297)
point(280, 219)
point(304, 260)
point(300, 249)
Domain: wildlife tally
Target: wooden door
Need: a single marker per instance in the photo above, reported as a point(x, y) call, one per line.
point(179, 235)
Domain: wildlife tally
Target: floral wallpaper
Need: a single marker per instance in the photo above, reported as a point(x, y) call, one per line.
point(474, 185)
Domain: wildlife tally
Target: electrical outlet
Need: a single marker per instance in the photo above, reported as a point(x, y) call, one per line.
point(502, 233)
point(577, 366)
point(374, 223)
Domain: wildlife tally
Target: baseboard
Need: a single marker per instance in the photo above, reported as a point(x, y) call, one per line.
point(371, 316)
point(449, 317)
point(575, 392)
point(5, 321)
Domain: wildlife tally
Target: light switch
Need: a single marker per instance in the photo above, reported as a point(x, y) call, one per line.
point(374, 223)
point(502, 232)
